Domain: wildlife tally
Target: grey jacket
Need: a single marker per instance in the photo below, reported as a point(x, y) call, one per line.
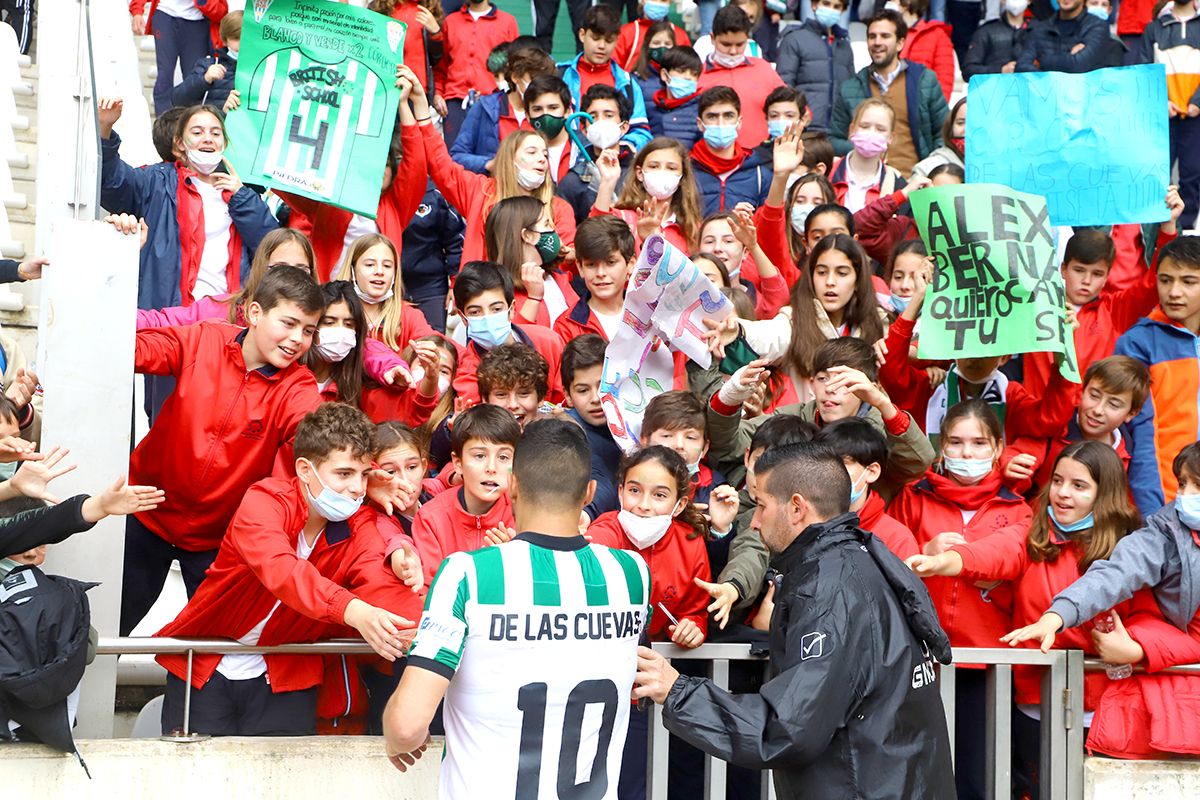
point(1160, 555)
point(816, 63)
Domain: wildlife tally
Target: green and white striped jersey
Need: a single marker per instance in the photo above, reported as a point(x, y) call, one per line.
point(539, 636)
point(315, 114)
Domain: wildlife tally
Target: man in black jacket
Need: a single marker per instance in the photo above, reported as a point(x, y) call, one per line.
point(996, 44)
point(851, 707)
point(1070, 41)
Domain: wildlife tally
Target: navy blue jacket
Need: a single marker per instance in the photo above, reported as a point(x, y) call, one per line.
point(606, 458)
point(479, 136)
point(194, 89)
point(678, 123)
point(749, 182)
point(1048, 46)
point(150, 192)
point(432, 249)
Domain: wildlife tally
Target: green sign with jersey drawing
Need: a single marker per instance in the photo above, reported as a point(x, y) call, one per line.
point(318, 101)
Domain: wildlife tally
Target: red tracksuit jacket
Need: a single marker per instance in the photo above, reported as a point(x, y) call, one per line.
point(444, 526)
point(219, 431)
point(1046, 452)
point(971, 616)
point(467, 42)
point(1028, 414)
point(673, 562)
point(1035, 584)
point(544, 340)
point(893, 533)
point(257, 565)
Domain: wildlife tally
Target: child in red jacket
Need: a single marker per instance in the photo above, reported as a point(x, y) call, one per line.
point(864, 450)
point(477, 513)
point(604, 251)
point(1114, 390)
point(1081, 514)
point(658, 521)
point(961, 500)
point(1101, 316)
point(238, 397)
point(483, 293)
point(299, 557)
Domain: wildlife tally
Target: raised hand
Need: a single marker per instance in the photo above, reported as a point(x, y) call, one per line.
point(33, 477)
point(406, 563)
point(108, 111)
point(120, 499)
point(788, 151)
point(724, 595)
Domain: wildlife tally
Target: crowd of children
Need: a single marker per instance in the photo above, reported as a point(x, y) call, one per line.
point(337, 399)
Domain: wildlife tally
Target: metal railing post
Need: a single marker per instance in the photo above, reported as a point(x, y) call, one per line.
point(714, 768)
point(999, 731)
point(1054, 730)
point(947, 684)
point(658, 745)
point(1075, 711)
point(187, 696)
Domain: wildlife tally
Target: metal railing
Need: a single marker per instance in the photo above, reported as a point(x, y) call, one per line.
point(1061, 771)
point(1062, 751)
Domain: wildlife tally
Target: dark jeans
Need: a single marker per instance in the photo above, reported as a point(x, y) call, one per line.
point(19, 14)
point(433, 306)
point(963, 18)
point(1185, 146)
point(455, 114)
point(176, 41)
point(241, 708)
point(545, 15)
point(147, 562)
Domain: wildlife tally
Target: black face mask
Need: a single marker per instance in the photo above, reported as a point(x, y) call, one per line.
point(549, 125)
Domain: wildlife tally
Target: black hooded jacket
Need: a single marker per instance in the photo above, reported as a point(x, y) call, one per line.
point(851, 708)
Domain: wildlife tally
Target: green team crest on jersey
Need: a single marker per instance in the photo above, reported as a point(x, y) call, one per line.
point(318, 100)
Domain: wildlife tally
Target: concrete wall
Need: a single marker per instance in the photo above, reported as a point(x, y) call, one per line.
point(1110, 779)
point(227, 768)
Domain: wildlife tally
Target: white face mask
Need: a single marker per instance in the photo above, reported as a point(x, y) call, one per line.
point(232, 53)
point(530, 179)
point(418, 375)
point(501, 85)
point(335, 342)
point(604, 133)
point(968, 470)
point(644, 532)
point(205, 163)
point(661, 184)
point(1016, 7)
point(726, 60)
point(373, 301)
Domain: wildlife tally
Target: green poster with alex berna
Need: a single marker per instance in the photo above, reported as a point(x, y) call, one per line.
point(318, 101)
point(997, 289)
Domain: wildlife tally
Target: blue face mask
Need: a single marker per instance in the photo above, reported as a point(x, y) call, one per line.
point(1187, 506)
point(777, 127)
point(720, 136)
point(329, 504)
point(1096, 11)
point(681, 87)
point(490, 330)
point(827, 17)
point(655, 11)
point(1075, 527)
point(900, 303)
point(857, 494)
point(8, 470)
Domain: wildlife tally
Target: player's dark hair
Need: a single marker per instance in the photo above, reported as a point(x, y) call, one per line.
point(731, 19)
point(812, 470)
point(600, 91)
point(513, 366)
point(552, 465)
point(1182, 250)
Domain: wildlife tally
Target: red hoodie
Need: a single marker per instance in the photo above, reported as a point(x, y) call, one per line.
point(544, 340)
point(1026, 414)
point(257, 566)
point(972, 616)
point(1034, 584)
point(898, 538)
point(673, 562)
point(1101, 323)
point(218, 432)
point(444, 526)
point(928, 43)
point(328, 224)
